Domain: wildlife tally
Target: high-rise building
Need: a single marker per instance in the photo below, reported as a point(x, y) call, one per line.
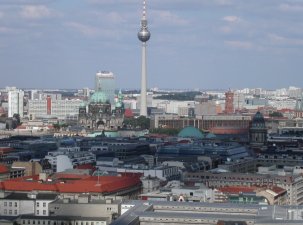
point(105, 82)
point(229, 102)
point(144, 36)
point(15, 102)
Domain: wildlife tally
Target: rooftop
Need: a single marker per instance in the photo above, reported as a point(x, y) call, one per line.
point(72, 183)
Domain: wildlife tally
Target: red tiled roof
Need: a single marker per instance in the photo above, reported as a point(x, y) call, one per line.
point(228, 130)
point(69, 183)
point(128, 113)
point(237, 190)
point(3, 169)
point(277, 190)
point(67, 176)
point(86, 167)
point(5, 149)
point(21, 127)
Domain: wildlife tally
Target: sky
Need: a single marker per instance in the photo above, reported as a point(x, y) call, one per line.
point(195, 44)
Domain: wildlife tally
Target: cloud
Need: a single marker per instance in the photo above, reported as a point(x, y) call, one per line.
point(35, 12)
point(280, 40)
point(291, 7)
point(92, 31)
point(7, 30)
point(107, 2)
point(167, 17)
point(223, 2)
point(231, 19)
point(239, 44)
point(24, 2)
point(111, 17)
point(86, 30)
point(225, 29)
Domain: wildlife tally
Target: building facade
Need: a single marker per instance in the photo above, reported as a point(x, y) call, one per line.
point(229, 102)
point(258, 132)
point(105, 82)
point(49, 107)
point(292, 183)
point(15, 102)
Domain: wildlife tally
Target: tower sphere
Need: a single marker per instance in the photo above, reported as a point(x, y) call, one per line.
point(144, 35)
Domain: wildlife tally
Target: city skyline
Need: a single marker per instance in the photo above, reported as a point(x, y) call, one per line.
point(205, 44)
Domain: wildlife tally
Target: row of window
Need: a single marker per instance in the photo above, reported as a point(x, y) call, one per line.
point(10, 212)
point(38, 204)
point(10, 204)
point(44, 222)
point(43, 212)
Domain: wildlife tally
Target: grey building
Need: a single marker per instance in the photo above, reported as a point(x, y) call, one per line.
point(157, 212)
point(86, 205)
point(15, 204)
point(61, 220)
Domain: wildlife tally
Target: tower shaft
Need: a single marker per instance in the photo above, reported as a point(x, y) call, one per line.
point(143, 105)
point(144, 36)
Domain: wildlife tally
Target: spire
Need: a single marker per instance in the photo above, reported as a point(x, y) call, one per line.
point(144, 10)
point(144, 34)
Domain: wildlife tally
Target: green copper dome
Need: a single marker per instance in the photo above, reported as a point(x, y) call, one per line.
point(258, 121)
point(118, 105)
point(99, 97)
point(190, 132)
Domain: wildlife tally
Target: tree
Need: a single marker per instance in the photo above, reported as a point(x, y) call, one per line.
point(276, 114)
point(140, 122)
point(143, 122)
point(17, 119)
point(56, 126)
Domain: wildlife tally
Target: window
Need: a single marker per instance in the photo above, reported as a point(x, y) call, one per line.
point(44, 204)
point(37, 204)
point(5, 211)
point(37, 212)
point(10, 212)
point(44, 212)
point(10, 204)
point(16, 204)
point(16, 212)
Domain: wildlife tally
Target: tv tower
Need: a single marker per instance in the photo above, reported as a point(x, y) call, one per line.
point(144, 36)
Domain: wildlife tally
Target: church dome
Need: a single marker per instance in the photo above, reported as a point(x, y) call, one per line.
point(190, 132)
point(258, 121)
point(99, 97)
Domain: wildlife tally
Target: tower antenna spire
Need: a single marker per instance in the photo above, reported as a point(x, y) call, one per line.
point(144, 10)
point(144, 36)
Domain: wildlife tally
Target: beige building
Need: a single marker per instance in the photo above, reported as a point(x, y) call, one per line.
point(292, 183)
point(30, 168)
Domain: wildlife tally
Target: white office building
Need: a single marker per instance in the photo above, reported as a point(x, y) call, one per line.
point(105, 82)
point(15, 102)
point(50, 108)
point(68, 158)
